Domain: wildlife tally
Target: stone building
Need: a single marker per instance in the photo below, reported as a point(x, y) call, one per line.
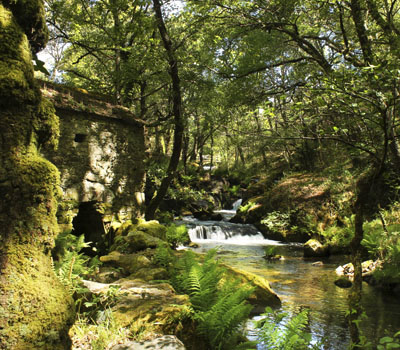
point(100, 156)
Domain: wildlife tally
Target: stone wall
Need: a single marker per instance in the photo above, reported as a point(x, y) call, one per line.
point(101, 151)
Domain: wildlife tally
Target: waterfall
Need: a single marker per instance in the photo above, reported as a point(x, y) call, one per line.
point(218, 233)
point(228, 214)
point(237, 204)
point(225, 231)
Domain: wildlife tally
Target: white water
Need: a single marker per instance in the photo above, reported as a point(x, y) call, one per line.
point(224, 231)
point(228, 214)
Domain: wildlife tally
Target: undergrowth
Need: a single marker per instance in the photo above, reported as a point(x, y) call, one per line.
point(382, 240)
point(220, 306)
point(70, 265)
point(280, 331)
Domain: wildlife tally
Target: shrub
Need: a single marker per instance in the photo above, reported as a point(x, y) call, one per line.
point(177, 235)
point(340, 236)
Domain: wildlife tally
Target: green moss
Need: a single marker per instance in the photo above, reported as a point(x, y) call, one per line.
point(31, 18)
point(35, 316)
point(47, 125)
point(16, 71)
point(145, 317)
point(153, 228)
point(35, 310)
point(263, 295)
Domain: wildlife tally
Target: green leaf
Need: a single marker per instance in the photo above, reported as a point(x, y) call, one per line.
point(385, 340)
point(39, 65)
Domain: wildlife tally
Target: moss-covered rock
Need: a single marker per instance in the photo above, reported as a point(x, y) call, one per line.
point(36, 312)
point(130, 263)
point(151, 274)
point(148, 309)
point(152, 228)
point(263, 295)
point(135, 241)
point(315, 249)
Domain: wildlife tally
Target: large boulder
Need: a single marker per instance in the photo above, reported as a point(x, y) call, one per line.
point(152, 228)
point(262, 296)
point(130, 263)
point(315, 249)
point(148, 308)
point(36, 310)
point(135, 241)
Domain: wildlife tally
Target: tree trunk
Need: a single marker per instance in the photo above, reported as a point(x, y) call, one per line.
point(36, 312)
point(177, 112)
point(365, 186)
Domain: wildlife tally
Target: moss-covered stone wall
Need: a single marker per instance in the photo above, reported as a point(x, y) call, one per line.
point(36, 311)
point(101, 151)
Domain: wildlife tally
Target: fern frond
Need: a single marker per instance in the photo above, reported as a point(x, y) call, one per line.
point(192, 283)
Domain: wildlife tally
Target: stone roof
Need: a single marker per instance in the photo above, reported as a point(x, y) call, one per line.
point(80, 101)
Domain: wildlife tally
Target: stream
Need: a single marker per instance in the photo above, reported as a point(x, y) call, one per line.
point(298, 282)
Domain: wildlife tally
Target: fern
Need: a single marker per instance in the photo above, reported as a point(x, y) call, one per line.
point(279, 331)
point(220, 306)
point(69, 264)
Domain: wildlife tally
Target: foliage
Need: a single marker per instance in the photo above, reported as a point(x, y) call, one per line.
point(234, 190)
point(69, 264)
point(177, 235)
point(220, 306)
point(99, 335)
point(280, 331)
point(389, 343)
point(270, 251)
point(277, 221)
point(340, 236)
point(164, 256)
point(99, 305)
point(382, 240)
point(248, 206)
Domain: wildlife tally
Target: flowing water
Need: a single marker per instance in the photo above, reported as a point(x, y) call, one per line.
point(298, 282)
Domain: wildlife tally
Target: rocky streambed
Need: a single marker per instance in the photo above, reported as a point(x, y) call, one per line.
point(143, 300)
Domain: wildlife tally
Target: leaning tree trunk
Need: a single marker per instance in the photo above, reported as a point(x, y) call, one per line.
point(177, 112)
point(35, 310)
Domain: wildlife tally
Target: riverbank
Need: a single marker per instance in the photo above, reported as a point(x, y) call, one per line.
point(300, 283)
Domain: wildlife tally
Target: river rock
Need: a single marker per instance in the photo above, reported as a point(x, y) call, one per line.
point(166, 342)
point(203, 215)
point(343, 282)
point(152, 228)
point(263, 295)
point(217, 217)
point(149, 308)
point(107, 274)
point(315, 249)
point(135, 241)
point(130, 263)
point(368, 269)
